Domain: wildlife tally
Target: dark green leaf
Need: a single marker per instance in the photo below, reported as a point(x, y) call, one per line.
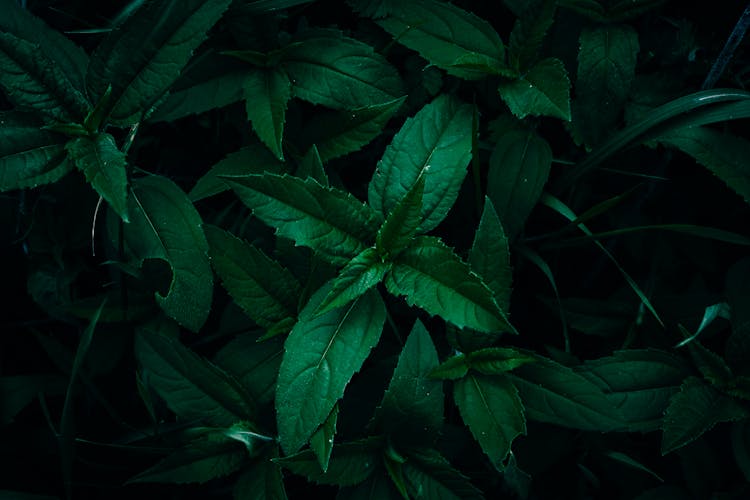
point(497, 360)
point(493, 411)
point(518, 171)
point(191, 386)
point(378, 486)
point(399, 228)
point(331, 222)
point(695, 410)
point(350, 463)
point(360, 274)
point(321, 442)
point(738, 295)
point(429, 475)
point(144, 55)
point(263, 288)
point(262, 480)
point(489, 256)
point(528, 33)
point(17, 391)
point(435, 143)
point(311, 165)
point(433, 277)
point(266, 93)
point(104, 165)
point(321, 354)
point(741, 446)
point(543, 90)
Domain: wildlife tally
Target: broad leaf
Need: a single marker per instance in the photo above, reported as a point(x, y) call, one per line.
point(143, 56)
point(695, 410)
point(606, 67)
point(104, 165)
point(29, 155)
point(321, 442)
point(350, 463)
point(429, 475)
point(528, 33)
point(448, 37)
point(263, 288)
point(433, 277)
point(399, 228)
point(266, 94)
point(435, 143)
point(360, 274)
point(331, 222)
point(165, 225)
point(30, 79)
point(321, 354)
point(543, 90)
point(518, 171)
point(493, 411)
point(489, 256)
point(339, 72)
point(262, 480)
point(412, 409)
point(191, 386)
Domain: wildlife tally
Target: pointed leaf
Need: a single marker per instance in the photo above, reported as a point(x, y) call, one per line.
point(399, 228)
point(311, 165)
point(262, 480)
point(266, 94)
point(191, 386)
point(695, 410)
point(331, 222)
point(359, 275)
point(321, 354)
point(263, 288)
point(519, 167)
point(144, 55)
point(452, 368)
point(104, 166)
point(435, 143)
point(528, 33)
point(29, 155)
point(378, 486)
point(350, 463)
point(321, 442)
point(429, 475)
point(448, 37)
point(412, 408)
point(339, 72)
point(489, 256)
point(433, 277)
point(544, 90)
point(497, 360)
point(493, 411)
point(165, 225)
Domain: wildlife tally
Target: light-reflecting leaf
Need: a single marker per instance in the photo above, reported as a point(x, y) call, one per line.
point(543, 90)
point(321, 442)
point(266, 94)
point(360, 274)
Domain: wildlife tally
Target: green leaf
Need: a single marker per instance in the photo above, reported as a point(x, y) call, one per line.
point(556, 394)
point(321, 354)
point(606, 67)
point(321, 442)
point(338, 133)
point(331, 222)
point(725, 155)
point(738, 296)
point(263, 288)
point(29, 155)
point(412, 408)
point(339, 72)
point(311, 165)
point(543, 90)
point(399, 228)
point(144, 55)
point(18, 391)
point(252, 159)
point(360, 274)
point(489, 255)
point(493, 411)
point(429, 475)
point(518, 171)
point(165, 225)
point(191, 386)
point(262, 480)
point(695, 410)
point(378, 486)
point(433, 277)
point(497, 360)
point(448, 37)
point(203, 459)
point(350, 464)
point(30, 79)
point(266, 94)
point(435, 143)
point(528, 33)
point(104, 165)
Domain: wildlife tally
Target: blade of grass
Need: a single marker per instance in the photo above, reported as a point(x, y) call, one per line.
point(710, 233)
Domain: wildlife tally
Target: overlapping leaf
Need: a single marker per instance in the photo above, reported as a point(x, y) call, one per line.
point(351, 463)
point(261, 481)
point(489, 256)
point(360, 274)
point(429, 475)
point(543, 90)
point(266, 93)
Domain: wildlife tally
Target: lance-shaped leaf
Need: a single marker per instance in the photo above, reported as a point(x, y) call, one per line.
point(412, 408)
point(165, 225)
point(694, 410)
point(519, 167)
point(321, 442)
point(263, 288)
point(489, 361)
point(489, 256)
point(399, 228)
point(338, 133)
point(493, 411)
point(261, 481)
point(360, 274)
point(191, 386)
point(144, 55)
point(311, 165)
point(331, 222)
point(435, 143)
point(339, 72)
point(29, 155)
point(429, 475)
point(103, 164)
point(448, 37)
point(433, 277)
point(266, 93)
point(31, 79)
point(321, 354)
point(543, 90)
